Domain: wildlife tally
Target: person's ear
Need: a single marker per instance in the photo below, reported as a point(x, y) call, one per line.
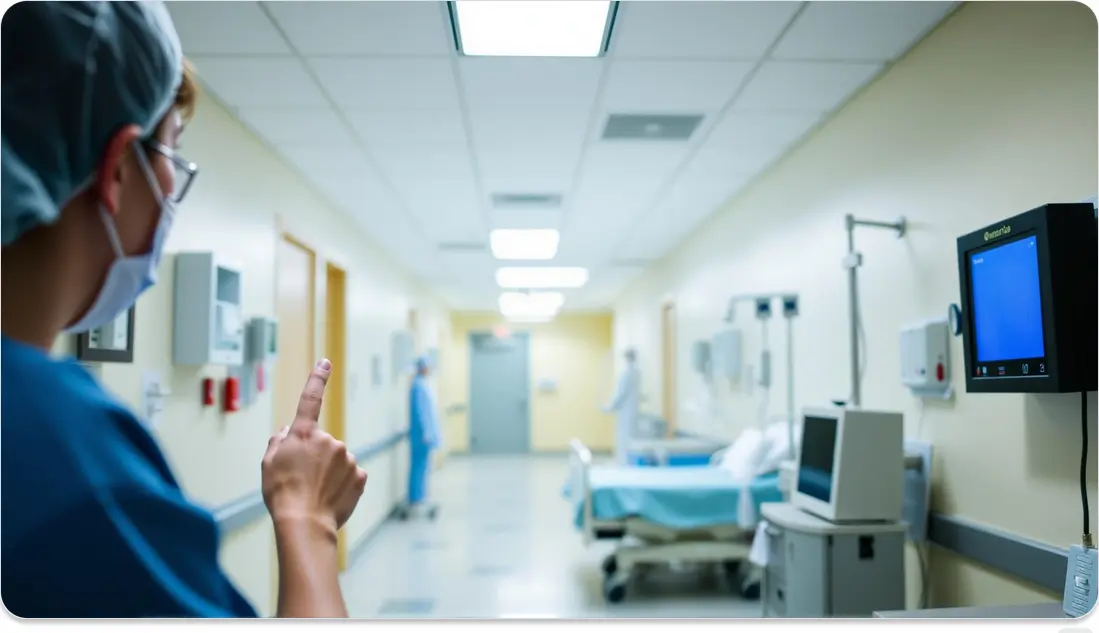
point(110, 175)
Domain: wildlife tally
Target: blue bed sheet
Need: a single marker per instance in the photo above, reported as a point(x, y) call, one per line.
point(687, 497)
point(677, 460)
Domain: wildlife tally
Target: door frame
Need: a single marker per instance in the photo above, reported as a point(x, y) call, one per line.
point(334, 412)
point(668, 349)
point(469, 388)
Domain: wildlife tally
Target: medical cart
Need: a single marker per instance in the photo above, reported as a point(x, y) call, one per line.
point(819, 569)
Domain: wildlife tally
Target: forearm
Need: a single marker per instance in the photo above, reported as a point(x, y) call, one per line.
point(309, 584)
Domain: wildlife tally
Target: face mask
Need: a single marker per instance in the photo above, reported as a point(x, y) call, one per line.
point(129, 275)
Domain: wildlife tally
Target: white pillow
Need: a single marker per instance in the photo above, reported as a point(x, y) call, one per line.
point(778, 449)
point(742, 459)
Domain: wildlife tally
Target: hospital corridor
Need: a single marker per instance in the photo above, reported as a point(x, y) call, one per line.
point(584, 309)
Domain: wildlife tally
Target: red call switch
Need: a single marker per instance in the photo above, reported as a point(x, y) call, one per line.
point(232, 394)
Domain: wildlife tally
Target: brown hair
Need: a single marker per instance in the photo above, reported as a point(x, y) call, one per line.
point(187, 95)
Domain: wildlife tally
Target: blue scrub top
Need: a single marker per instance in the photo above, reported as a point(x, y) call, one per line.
point(92, 522)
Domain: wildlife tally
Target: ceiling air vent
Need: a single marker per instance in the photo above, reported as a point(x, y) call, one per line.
point(526, 200)
point(651, 127)
point(462, 247)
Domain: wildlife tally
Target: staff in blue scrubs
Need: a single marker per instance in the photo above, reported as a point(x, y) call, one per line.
point(93, 524)
point(423, 437)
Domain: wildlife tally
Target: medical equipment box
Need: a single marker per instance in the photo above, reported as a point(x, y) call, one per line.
point(263, 340)
point(851, 465)
point(925, 358)
point(1029, 304)
point(207, 325)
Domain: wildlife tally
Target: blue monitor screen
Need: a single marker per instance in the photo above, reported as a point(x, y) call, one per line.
point(1007, 309)
point(818, 457)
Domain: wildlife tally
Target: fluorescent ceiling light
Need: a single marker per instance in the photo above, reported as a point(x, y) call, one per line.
point(534, 278)
point(532, 28)
point(532, 304)
point(524, 243)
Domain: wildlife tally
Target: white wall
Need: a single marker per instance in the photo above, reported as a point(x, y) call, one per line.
point(241, 197)
point(993, 114)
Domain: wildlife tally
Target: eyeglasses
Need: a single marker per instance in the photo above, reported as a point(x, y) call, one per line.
point(184, 174)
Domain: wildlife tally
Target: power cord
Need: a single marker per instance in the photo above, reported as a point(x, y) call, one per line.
point(1087, 541)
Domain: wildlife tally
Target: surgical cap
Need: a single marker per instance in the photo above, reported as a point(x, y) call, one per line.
point(421, 363)
point(73, 74)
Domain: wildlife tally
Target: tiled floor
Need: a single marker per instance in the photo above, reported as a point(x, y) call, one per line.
point(504, 545)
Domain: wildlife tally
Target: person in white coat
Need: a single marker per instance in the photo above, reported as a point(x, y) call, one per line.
point(626, 404)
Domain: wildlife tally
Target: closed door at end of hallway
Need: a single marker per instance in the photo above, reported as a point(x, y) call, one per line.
point(499, 394)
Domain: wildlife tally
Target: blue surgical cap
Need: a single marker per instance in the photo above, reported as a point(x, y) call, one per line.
point(73, 74)
point(421, 363)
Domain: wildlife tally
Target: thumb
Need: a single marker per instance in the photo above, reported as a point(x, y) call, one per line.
point(309, 406)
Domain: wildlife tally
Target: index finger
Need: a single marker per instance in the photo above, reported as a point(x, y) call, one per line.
point(309, 406)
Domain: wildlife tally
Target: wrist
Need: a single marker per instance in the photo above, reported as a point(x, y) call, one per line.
point(310, 528)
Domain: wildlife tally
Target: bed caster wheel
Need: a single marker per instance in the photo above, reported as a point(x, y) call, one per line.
point(732, 568)
point(610, 565)
point(614, 591)
point(433, 513)
point(751, 591)
point(402, 514)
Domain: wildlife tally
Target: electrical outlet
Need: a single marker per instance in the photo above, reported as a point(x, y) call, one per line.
point(1080, 581)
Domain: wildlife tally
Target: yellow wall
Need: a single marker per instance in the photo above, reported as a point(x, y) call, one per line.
point(232, 210)
point(992, 114)
point(574, 350)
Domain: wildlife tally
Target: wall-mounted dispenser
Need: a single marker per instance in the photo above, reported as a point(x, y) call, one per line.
point(263, 340)
point(700, 358)
point(207, 326)
point(726, 351)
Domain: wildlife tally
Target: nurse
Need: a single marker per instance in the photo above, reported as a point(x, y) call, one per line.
point(423, 438)
point(93, 524)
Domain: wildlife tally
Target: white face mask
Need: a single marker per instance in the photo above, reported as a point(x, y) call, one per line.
point(129, 275)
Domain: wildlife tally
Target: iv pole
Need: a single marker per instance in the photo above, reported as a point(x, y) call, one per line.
point(852, 263)
point(789, 311)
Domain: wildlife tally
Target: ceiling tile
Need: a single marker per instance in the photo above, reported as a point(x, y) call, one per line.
point(671, 86)
point(295, 125)
point(729, 30)
point(413, 168)
point(805, 86)
point(407, 128)
point(365, 28)
point(741, 130)
point(319, 161)
point(388, 84)
point(506, 84)
point(869, 31)
point(260, 81)
point(225, 28)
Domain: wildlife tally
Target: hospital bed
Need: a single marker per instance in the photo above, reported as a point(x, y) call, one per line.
point(666, 516)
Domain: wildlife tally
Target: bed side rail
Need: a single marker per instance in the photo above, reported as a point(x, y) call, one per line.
point(580, 486)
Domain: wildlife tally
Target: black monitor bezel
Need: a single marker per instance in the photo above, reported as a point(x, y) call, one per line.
point(1066, 324)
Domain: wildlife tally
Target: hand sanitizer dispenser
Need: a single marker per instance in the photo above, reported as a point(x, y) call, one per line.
point(208, 326)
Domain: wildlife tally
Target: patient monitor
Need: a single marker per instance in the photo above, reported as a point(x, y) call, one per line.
point(851, 465)
point(1029, 303)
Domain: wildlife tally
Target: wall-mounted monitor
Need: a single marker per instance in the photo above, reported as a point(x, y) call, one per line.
point(1029, 302)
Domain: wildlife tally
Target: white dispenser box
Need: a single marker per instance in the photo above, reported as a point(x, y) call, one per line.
point(208, 326)
point(925, 358)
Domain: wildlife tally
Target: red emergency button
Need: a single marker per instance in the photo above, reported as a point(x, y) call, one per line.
point(939, 372)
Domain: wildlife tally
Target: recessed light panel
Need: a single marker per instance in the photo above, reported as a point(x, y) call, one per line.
point(532, 28)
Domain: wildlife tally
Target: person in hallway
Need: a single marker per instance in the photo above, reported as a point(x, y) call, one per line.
point(93, 523)
point(626, 404)
point(423, 438)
